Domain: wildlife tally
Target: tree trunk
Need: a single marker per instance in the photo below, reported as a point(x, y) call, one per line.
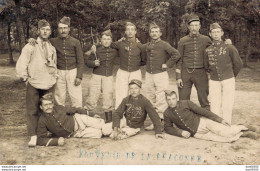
point(19, 25)
point(248, 47)
point(10, 51)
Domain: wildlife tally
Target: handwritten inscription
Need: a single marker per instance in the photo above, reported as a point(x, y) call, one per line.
point(111, 155)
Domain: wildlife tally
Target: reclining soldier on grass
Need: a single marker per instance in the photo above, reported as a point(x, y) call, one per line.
point(64, 122)
point(185, 119)
point(129, 117)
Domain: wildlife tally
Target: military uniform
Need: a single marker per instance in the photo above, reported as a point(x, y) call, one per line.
point(223, 63)
point(131, 56)
point(102, 78)
point(70, 63)
point(158, 52)
point(199, 122)
point(190, 68)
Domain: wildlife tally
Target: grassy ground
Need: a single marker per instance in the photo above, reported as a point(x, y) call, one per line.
point(140, 149)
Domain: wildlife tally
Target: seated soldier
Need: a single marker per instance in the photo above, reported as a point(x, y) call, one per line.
point(185, 119)
point(134, 108)
point(65, 122)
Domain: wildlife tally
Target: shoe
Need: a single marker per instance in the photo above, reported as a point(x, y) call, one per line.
point(250, 134)
point(108, 116)
point(33, 141)
point(149, 128)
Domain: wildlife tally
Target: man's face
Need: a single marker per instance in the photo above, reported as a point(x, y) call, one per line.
point(134, 90)
point(44, 32)
point(130, 31)
point(63, 30)
point(194, 27)
point(106, 40)
point(171, 100)
point(47, 106)
point(155, 33)
point(216, 34)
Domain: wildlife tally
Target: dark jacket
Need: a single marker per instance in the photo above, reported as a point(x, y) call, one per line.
point(222, 61)
point(106, 57)
point(186, 116)
point(158, 53)
point(132, 55)
point(191, 48)
point(60, 123)
point(69, 54)
point(135, 112)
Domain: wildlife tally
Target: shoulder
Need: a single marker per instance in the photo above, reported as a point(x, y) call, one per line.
point(165, 43)
point(204, 37)
point(184, 39)
point(28, 48)
point(231, 47)
point(74, 39)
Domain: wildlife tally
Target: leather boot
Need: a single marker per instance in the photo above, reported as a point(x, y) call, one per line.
point(108, 116)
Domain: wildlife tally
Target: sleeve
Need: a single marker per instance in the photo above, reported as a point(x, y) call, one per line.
point(23, 62)
point(180, 61)
point(118, 114)
point(90, 62)
point(153, 115)
point(170, 127)
point(115, 45)
point(236, 60)
point(203, 112)
point(73, 110)
point(174, 55)
point(80, 60)
point(143, 54)
point(42, 138)
point(206, 60)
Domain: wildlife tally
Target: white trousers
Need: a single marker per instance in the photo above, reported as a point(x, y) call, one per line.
point(222, 97)
point(124, 130)
point(122, 80)
point(98, 84)
point(156, 84)
point(214, 131)
point(65, 82)
point(88, 127)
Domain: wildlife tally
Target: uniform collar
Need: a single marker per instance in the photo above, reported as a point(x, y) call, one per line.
point(65, 37)
point(155, 41)
point(40, 41)
point(217, 43)
point(194, 35)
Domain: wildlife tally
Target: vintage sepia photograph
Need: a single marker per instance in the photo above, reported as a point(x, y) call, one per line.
point(129, 82)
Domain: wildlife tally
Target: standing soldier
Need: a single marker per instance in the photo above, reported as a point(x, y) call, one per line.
point(70, 64)
point(37, 67)
point(102, 77)
point(190, 68)
point(131, 55)
point(224, 64)
point(160, 56)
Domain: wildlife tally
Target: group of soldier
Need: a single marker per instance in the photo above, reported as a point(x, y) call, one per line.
point(53, 67)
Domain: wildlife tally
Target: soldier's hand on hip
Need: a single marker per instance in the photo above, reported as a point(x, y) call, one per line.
point(164, 67)
point(32, 41)
point(97, 62)
point(77, 82)
point(185, 134)
point(180, 83)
